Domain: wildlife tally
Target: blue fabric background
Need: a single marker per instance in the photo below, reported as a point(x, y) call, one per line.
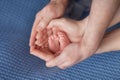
point(16, 19)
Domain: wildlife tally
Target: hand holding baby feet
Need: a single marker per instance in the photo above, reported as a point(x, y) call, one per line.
point(55, 9)
point(57, 42)
point(66, 32)
point(73, 54)
point(82, 45)
point(84, 40)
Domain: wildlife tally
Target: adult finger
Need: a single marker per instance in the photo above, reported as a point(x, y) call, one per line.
point(34, 32)
point(43, 23)
point(56, 61)
point(41, 41)
point(42, 54)
point(58, 23)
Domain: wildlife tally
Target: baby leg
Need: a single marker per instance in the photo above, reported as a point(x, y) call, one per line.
point(53, 43)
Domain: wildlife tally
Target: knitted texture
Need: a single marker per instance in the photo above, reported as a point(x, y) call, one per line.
point(16, 63)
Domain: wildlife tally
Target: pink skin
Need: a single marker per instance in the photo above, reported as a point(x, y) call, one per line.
point(57, 42)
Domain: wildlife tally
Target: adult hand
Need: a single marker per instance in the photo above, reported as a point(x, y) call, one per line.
point(76, 52)
point(74, 30)
point(53, 10)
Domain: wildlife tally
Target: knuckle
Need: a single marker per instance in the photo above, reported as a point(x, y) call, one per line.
point(51, 11)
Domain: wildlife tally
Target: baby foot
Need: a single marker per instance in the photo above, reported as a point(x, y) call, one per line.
point(57, 42)
point(53, 42)
point(63, 40)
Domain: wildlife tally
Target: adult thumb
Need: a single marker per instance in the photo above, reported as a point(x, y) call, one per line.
point(59, 24)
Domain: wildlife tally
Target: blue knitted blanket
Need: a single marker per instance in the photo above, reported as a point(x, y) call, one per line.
point(16, 19)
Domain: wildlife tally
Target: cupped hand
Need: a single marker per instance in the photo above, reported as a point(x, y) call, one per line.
point(51, 11)
point(77, 52)
point(88, 42)
point(85, 42)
